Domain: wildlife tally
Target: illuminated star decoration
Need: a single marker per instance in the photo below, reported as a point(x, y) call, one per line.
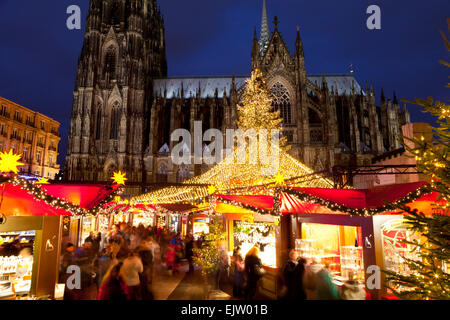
point(279, 178)
point(42, 181)
point(9, 162)
point(212, 189)
point(119, 178)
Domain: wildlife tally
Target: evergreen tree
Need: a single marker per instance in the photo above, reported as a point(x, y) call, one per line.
point(207, 256)
point(429, 277)
point(256, 110)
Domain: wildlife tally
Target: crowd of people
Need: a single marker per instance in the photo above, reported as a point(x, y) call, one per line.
point(300, 280)
point(120, 265)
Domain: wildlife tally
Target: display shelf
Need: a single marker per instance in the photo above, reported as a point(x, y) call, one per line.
point(352, 262)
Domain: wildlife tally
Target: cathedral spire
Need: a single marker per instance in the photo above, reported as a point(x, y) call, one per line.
point(265, 31)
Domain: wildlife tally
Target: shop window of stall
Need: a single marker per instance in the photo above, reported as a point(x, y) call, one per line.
point(338, 247)
point(16, 263)
point(144, 218)
point(247, 234)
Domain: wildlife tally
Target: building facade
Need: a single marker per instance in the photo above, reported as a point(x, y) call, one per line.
point(31, 134)
point(125, 108)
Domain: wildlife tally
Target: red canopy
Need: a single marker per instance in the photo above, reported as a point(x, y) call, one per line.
point(19, 202)
point(353, 199)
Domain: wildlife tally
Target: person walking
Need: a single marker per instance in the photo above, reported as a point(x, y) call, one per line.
point(300, 292)
point(254, 272)
point(224, 264)
point(146, 256)
point(239, 273)
point(190, 252)
point(170, 259)
point(319, 283)
point(352, 289)
point(131, 268)
point(290, 277)
point(113, 286)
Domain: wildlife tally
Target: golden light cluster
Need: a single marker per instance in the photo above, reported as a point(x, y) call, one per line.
point(119, 178)
point(9, 162)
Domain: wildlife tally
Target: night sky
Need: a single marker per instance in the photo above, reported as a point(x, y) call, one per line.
point(39, 55)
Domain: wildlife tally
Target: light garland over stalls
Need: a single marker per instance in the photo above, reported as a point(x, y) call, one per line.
point(248, 175)
point(411, 197)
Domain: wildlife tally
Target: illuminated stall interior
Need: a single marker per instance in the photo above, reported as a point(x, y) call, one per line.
point(31, 229)
point(338, 247)
point(16, 262)
point(145, 218)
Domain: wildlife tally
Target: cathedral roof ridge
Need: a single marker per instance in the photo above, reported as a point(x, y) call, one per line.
point(202, 77)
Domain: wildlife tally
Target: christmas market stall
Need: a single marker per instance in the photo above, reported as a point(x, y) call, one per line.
point(33, 221)
point(347, 230)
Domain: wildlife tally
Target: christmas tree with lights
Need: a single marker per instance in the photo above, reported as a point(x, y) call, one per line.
point(429, 277)
point(256, 110)
point(208, 255)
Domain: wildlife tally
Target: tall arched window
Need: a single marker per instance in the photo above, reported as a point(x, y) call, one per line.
point(98, 123)
point(115, 13)
point(110, 61)
point(161, 176)
point(115, 121)
point(183, 173)
point(282, 102)
point(315, 127)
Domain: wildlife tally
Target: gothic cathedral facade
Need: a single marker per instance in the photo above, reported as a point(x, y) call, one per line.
point(125, 107)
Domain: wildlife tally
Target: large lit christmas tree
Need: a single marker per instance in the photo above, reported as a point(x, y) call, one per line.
point(256, 110)
point(429, 277)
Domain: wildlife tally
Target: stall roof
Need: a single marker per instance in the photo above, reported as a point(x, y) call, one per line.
point(354, 199)
point(19, 202)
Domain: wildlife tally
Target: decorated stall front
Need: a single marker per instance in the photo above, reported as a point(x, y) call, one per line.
point(346, 230)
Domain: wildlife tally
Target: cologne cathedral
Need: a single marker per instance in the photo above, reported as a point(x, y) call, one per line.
point(125, 107)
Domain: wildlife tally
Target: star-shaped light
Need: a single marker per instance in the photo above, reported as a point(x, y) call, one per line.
point(212, 189)
point(119, 177)
point(279, 178)
point(42, 181)
point(9, 162)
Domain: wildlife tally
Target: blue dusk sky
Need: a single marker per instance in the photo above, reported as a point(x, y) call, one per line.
point(39, 55)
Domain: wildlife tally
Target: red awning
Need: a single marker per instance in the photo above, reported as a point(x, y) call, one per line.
point(353, 199)
point(258, 201)
point(86, 196)
point(19, 202)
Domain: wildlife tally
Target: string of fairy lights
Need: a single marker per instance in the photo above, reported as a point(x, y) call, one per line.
point(247, 177)
point(304, 197)
point(9, 164)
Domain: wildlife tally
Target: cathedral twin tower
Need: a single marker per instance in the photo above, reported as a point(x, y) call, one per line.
point(125, 108)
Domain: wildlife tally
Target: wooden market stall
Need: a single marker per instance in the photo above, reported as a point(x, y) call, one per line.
point(348, 230)
point(32, 223)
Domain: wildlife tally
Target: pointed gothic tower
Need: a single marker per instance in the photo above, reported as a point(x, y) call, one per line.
point(123, 51)
point(265, 31)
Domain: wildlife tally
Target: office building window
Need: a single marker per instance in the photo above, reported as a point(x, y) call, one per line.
point(38, 156)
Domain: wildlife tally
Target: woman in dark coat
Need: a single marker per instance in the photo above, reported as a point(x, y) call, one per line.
point(300, 292)
point(239, 273)
point(254, 271)
point(290, 276)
